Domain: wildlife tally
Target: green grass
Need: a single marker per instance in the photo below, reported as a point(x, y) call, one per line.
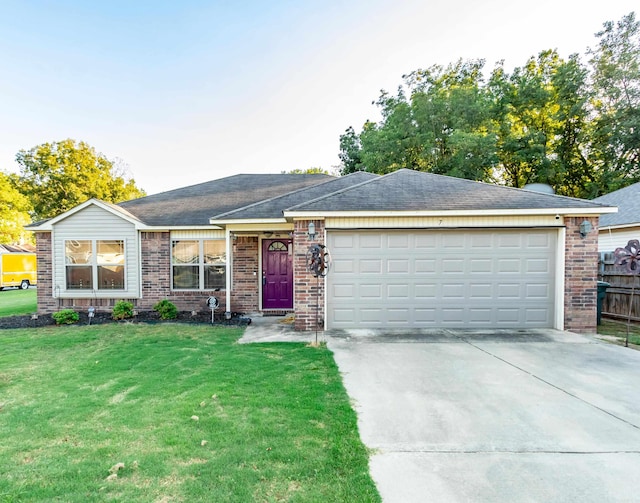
point(618, 329)
point(274, 421)
point(14, 302)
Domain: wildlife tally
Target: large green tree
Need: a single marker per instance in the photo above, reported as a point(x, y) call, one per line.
point(14, 212)
point(616, 84)
point(57, 176)
point(552, 120)
point(540, 118)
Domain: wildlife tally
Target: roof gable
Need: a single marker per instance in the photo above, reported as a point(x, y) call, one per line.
point(413, 191)
point(109, 207)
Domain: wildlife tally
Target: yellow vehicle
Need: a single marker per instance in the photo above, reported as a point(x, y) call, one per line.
point(17, 269)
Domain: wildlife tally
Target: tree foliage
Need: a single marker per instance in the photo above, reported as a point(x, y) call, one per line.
point(14, 212)
point(552, 120)
point(57, 176)
point(616, 87)
point(308, 171)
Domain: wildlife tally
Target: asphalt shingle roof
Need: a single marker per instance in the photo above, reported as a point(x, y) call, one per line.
point(628, 202)
point(196, 204)
point(407, 190)
point(273, 208)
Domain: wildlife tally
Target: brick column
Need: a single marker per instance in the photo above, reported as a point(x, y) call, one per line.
point(580, 276)
point(156, 268)
point(306, 286)
point(244, 295)
point(46, 302)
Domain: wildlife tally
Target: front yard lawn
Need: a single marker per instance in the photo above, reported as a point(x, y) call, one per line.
point(17, 301)
point(170, 412)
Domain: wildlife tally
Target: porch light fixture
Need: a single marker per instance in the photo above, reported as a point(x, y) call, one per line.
point(585, 228)
point(311, 231)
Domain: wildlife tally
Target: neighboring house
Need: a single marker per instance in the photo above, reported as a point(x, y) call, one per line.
point(616, 229)
point(408, 249)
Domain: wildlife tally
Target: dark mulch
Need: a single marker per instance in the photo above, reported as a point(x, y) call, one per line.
point(44, 320)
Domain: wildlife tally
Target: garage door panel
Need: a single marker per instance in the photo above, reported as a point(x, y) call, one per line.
point(346, 291)
point(371, 291)
point(481, 291)
point(453, 266)
point(432, 278)
point(398, 292)
point(538, 291)
point(425, 266)
point(398, 241)
point(481, 315)
point(343, 266)
point(398, 266)
point(424, 291)
point(534, 266)
point(370, 266)
point(481, 265)
point(509, 291)
point(370, 241)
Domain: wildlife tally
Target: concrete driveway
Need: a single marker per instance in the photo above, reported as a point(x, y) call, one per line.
point(495, 416)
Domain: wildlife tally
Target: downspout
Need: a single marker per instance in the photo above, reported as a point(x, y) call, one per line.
point(229, 248)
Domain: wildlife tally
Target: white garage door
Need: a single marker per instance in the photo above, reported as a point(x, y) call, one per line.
point(456, 279)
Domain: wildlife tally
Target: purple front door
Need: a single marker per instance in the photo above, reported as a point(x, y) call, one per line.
point(277, 274)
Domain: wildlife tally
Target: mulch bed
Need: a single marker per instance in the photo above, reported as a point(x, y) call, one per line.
point(45, 320)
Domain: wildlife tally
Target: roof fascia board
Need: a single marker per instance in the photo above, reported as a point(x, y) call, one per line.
point(296, 215)
point(250, 221)
point(249, 227)
point(618, 226)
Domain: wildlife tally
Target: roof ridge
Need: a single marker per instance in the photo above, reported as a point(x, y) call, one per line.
point(345, 189)
point(503, 186)
point(264, 201)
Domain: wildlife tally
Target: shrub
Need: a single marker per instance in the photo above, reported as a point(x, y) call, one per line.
point(66, 317)
point(122, 310)
point(166, 309)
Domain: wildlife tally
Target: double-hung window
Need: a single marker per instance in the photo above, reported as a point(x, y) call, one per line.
point(198, 264)
point(97, 264)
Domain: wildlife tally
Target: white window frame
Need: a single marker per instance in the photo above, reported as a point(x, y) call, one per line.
point(200, 264)
point(94, 264)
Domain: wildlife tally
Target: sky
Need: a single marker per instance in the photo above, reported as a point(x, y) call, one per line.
point(182, 92)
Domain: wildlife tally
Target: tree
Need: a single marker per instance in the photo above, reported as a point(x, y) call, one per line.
point(308, 171)
point(541, 121)
point(14, 212)
point(616, 82)
point(57, 176)
point(441, 127)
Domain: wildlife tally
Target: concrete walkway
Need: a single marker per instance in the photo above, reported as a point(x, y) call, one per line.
point(489, 416)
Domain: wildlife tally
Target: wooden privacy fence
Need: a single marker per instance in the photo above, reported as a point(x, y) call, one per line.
point(619, 294)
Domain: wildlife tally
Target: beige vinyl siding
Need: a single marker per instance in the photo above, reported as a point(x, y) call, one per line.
point(443, 222)
point(609, 240)
point(95, 223)
point(197, 234)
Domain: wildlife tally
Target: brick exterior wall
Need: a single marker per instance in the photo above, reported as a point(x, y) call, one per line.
point(244, 294)
point(155, 273)
point(306, 286)
point(580, 302)
point(580, 276)
point(46, 302)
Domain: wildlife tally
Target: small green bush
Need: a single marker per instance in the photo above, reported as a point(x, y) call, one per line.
point(122, 310)
point(166, 309)
point(66, 317)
